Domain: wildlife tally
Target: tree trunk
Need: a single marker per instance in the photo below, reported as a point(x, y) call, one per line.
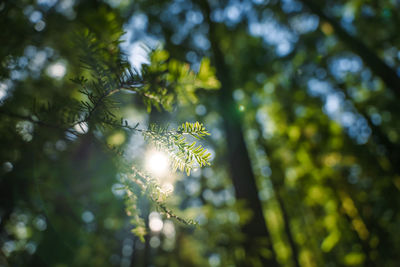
point(377, 65)
point(255, 231)
point(277, 175)
point(286, 225)
point(379, 138)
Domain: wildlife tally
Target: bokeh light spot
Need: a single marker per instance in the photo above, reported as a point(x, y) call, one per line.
point(57, 70)
point(155, 222)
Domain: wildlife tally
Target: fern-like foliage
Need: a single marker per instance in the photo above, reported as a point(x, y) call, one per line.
point(184, 155)
point(197, 130)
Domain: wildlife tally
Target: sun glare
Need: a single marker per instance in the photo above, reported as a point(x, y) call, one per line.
point(157, 163)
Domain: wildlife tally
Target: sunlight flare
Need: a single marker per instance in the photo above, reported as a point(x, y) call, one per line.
point(157, 163)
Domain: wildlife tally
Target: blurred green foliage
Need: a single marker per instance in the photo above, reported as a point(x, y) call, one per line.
point(319, 118)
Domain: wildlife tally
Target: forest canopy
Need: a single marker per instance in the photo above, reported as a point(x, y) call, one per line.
point(199, 133)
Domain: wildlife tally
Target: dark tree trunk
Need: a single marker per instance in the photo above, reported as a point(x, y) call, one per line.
point(255, 231)
point(277, 178)
point(377, 65)
point(286, 225)
point(379, 138)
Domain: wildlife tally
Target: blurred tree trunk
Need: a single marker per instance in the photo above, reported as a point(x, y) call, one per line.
point(377, 65)
point(277, 177)
point(379, 138)
point(255, 231)
point(286, 222)
point(363, 241)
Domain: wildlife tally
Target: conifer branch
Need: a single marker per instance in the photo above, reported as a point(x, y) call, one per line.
point(160, 84)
